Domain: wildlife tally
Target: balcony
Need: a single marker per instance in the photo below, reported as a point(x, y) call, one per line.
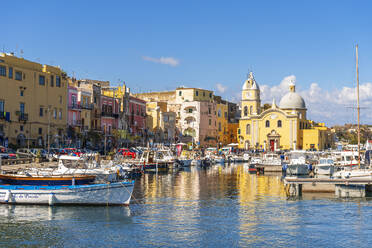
point(23, 117)
point(107, 114)
point(74, 106)
point(116, 116)
point(87, 106)
point(76, 123)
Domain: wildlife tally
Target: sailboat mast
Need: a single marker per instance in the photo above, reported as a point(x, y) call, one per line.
point(358, 107)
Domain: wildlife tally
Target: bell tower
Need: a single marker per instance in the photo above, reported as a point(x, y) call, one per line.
point(250, 97)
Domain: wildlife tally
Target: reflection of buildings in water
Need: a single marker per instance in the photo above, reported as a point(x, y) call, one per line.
point(256, 197)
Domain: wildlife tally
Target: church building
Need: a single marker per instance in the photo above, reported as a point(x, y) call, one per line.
point(283, 127)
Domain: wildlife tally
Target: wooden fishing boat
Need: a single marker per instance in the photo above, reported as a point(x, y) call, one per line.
point(51, 180)
point(118, 193)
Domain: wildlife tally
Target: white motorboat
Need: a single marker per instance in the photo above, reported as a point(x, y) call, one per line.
point(118, 193)
point(297, 164)
point(324, 167)
point(271, 159)
point(348, 173)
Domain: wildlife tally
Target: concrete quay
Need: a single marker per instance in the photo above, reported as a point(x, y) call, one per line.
point(341, 187)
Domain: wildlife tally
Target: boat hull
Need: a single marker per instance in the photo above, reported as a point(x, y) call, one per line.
point(118, 193)
point(297, 169)
point(50, 181)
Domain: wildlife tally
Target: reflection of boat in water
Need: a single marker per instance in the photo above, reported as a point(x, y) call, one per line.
point(118, 193)
point(20, 213)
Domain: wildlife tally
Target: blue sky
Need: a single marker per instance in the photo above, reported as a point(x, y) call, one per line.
point(204, 43)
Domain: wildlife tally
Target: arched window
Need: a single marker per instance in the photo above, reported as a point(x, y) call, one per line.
point(245, 111)
point(251, 110)
point(279, 123)
point(267, 123)
point(248, 129)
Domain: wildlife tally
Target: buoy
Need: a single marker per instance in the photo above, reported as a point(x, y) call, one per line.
point(51, 199)
point(8, 196)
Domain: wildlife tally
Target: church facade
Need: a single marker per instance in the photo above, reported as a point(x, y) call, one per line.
point(283, 127)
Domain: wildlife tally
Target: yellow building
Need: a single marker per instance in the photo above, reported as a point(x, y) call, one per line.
point(222, 123)
point(160, 123)
point(232, 129)
point(279, 127)
point(33, 102)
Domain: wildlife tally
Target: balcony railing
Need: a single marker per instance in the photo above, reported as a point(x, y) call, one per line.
point(74, 106)
point(23, 117)
point(87, 106)
point(107, 114)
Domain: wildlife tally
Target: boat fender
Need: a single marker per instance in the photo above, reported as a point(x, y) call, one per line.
point(51, 199)
point(8, 196)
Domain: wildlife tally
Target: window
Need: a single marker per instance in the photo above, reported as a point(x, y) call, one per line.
point(245, 111)
point(58, 81)
point(209, 110)
point(267, 123)
point(41, 112)
point(239, 131)
point(40, 130)
point(22, 108)
point(180, 93)
point(197, 93)
point(41, 80)
point(55, 113)
point(21, 128)
point(10, 72)
point(18, 75)
point(248, 129)
point(2, 105)
point(51, 80)
point(279, 123)
point(251, 109)
point(210, 95)
point(2, 70)
point(219, 113)
point(190, 110)
point(203, 93)
point(219, 126)
point(95, 99)
point(21, 92)
point(210, 122)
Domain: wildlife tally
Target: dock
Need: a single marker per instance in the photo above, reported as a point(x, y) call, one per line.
point(341, 187)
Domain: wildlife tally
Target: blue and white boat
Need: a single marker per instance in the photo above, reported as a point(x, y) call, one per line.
point(118, 193)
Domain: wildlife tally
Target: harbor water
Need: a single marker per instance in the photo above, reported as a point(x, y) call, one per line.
point(222, 206)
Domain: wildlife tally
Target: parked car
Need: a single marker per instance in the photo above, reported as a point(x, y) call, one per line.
point(125, 152)
point(7, 153)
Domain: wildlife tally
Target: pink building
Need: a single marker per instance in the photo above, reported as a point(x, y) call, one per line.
point(137, 115)
point(74, 110)
point(110, 113)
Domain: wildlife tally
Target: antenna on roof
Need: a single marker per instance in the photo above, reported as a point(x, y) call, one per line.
point(21, 53)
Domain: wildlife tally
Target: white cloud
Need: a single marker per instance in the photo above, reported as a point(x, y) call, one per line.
point(335, 106)
point(221, 88)
point(277, 91)
point(163, 60)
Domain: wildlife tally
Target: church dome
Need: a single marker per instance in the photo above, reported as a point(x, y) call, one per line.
point(292, 100)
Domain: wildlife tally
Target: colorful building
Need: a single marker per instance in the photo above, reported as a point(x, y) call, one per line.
point(33, 107)
point(279, 127)
point(137, 116)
